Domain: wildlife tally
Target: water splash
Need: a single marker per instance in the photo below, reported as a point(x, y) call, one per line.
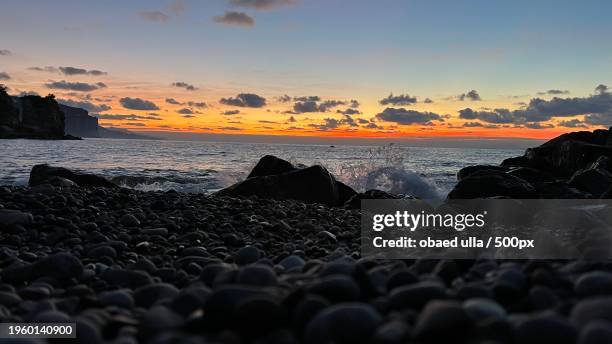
point(384, 169)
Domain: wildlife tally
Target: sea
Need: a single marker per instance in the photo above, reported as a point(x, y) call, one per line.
point(205, 167)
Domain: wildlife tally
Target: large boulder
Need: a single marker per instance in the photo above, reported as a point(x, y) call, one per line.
point(595, 181)
point(44, 173)
point(270, 165)
point(491, 183)
point(466, 171)
point(355, 201)
point(567, 157)
point(276, 178)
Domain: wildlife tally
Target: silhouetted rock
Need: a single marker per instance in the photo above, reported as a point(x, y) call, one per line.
point(42, 173)
point(594, 181)
point(466, 171)
point(270, 165)
point(491, 183)
point(355, 201)
point(276, 178)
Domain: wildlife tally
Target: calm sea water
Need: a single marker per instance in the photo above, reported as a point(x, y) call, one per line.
point(191, 166)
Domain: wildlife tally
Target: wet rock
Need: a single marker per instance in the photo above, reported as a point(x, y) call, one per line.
point(441, 318)
point(545, 329)
point(598, 332)
point(594, 283)
point(247, 255)
point(14, 217)
point(119, 298)
point(484, 309)
point(150, 294)
point(416, 295)
point(271, 165)
point(489, 183)
point(129, 220)
point(343, 323)
point(593, 181)
point(336, 288)
point(60, 266)
point(257, 275)
point(41, 173)
point(592, 309)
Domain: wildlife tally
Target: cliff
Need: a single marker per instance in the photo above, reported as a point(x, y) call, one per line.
point(31, 117)
point(79, 123)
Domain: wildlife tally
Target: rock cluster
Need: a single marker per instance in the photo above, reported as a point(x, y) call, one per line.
point(574, 165)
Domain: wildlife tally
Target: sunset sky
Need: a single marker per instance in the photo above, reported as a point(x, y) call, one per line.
point(405, 68)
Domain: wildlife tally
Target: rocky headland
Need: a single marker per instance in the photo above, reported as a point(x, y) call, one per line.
point(276, 259)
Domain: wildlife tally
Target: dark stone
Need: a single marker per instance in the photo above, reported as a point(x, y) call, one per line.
point(355, 201)
point(311, 185)
point(394, 332)
point(441, 318)
point(292, 262)
point(467, 171)
point(271, 165)
point(247, 255)
point(480, 309)
point(336, 288)
point(345, 323)
point(60, 266)
point(592, 309)
point(148, 295)
point(15, 217)
point(126, 278)
point(598, 332)
point(257, 275)
point(119, 298)
point(41, 173)
point(190, 299)
point(129, 220)
point(416, 295)
point(9, 299)
point(489, 183)
point(103, 251)
point(545, 329)
point(531, 175)
point(308, 307)
point(593, 181)
point(594, 283)
point(259, 315)
point(345, 192)
point(221, 305)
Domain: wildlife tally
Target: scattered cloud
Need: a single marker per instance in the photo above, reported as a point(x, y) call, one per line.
point(291, 119)
point(349, 111)
point(230, 128)
point(48, 69)
point(572, 123)
point(245, 100)
point(329, 124)
point(471, 95)
point(4, 76)
point(80, 71)
point(267, 122)
point(314, 104)
point(235, 19)
point(307, 99)
point(137, 104)
point(184, 85)
point(408, 117)
point(283, 99)
point(200, 105)
point(402, 99)
point(129, 117)
point(597, 109)
point(173, 101)
point(74, 86)
point(177, 6)
point(85, 104)
point(154, 16)
point(428, 101)
point(185, 111)
point(136, 124)
point(261, 4)
point(537, 125)
point(230, 112)
point(188, 116)
point(5, 52)
point(553, 92)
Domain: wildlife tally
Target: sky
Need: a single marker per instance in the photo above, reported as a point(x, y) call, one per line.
point(365, 69)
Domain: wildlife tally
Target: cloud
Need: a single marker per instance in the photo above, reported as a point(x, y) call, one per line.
point(137, 104)
point(407, 117)
point(173, 101)
point(200, 105)
point(129, 117)
point(185, 111)
point(177, 6)
point(349, 111)
point(428, 101)
point(5, 52)
point(136, 124)
point(230, 112)
point(245, 100)
point(261, 4)
point(471, 95)
point(267, 122)
point(154, 16)
point(536, 125)
point(553, 92)
point(4, 76)
point(184, 85)
point(402, 99)
point(307, 99)
point(284, 99)
point(80, 71)
point(74, 86)
point(230, 128)
point(329, 124)
point(597, 109)
point(371, 125)
point(84, 104)
point(188, 116)
point(48, 69)
point(291, 119)
point(314, 104)
point(235, 19)
point(348, 120)
point(572, 123)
